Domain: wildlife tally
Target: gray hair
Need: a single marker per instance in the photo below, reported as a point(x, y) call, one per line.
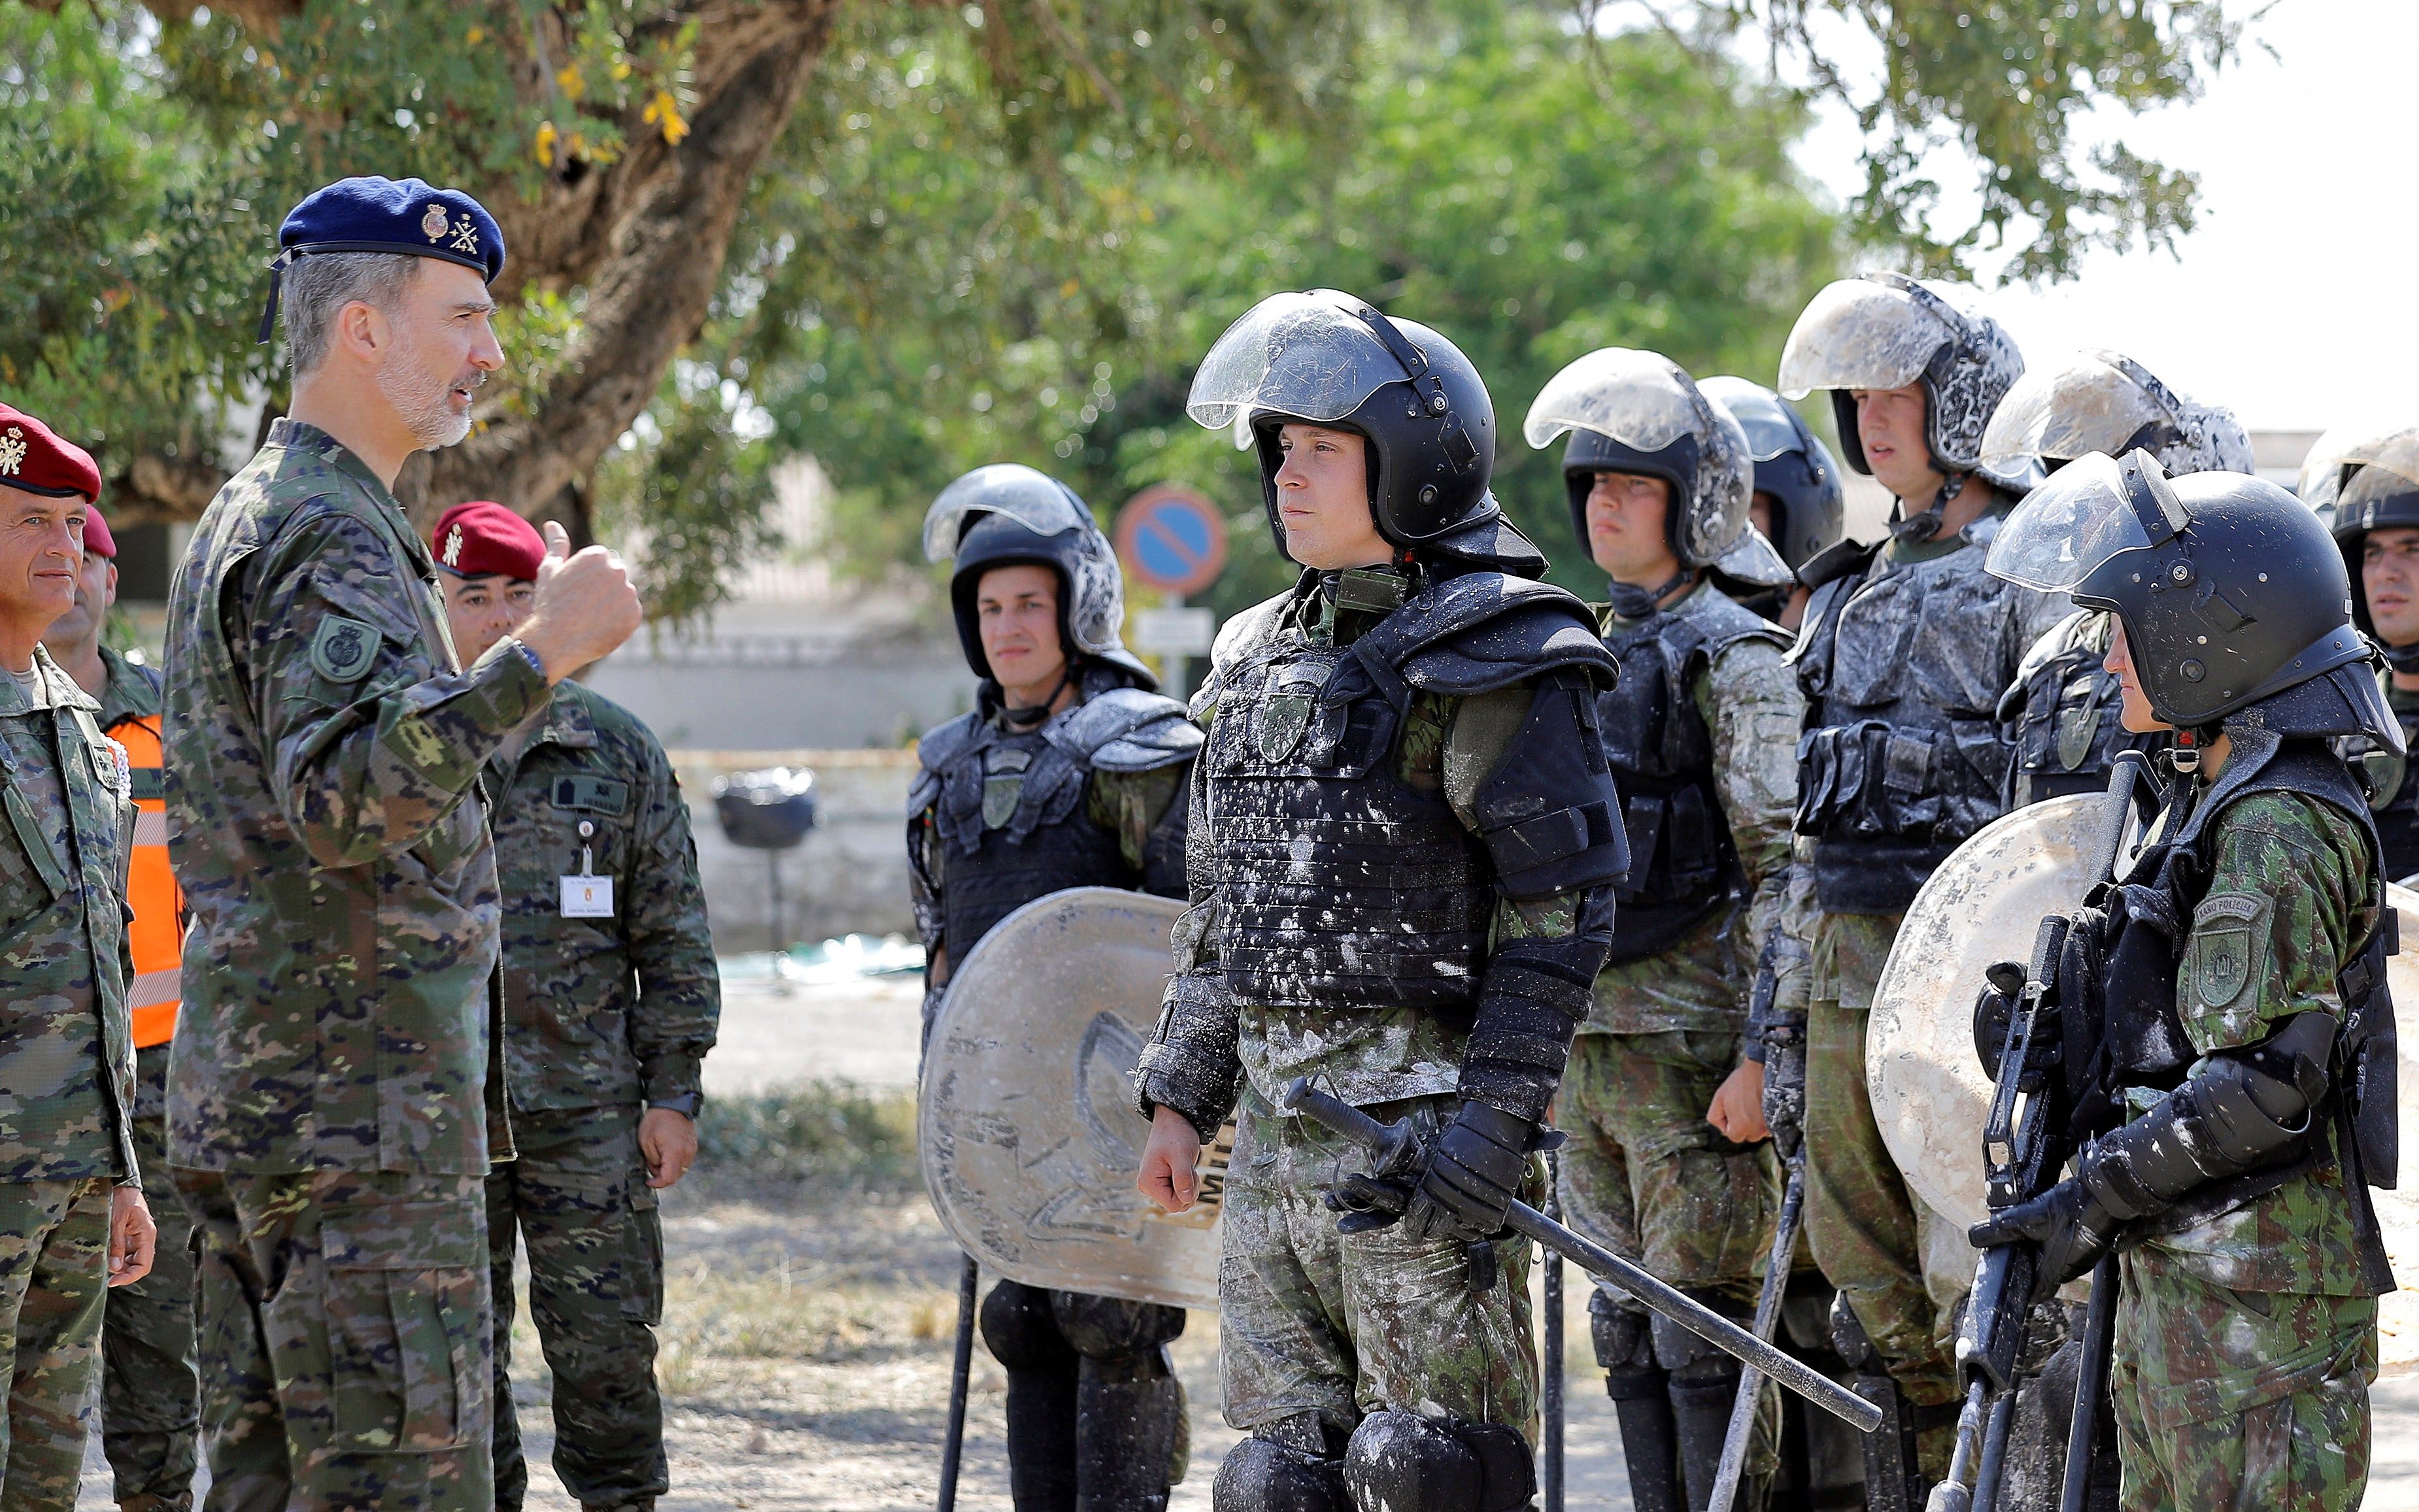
point(318, 286)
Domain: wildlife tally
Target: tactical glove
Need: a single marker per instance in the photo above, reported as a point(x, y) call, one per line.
point(1473, 1176)
point(2069, 1223)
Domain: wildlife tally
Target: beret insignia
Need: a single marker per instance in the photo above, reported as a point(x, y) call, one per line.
point(454, 546)
point(432, 224)
point(12, 449)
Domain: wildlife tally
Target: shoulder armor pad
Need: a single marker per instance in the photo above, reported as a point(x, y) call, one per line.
point(1724, 624)
point(1482, 631)
point(1239, 637)
point(944, 743)
point(1126, 730)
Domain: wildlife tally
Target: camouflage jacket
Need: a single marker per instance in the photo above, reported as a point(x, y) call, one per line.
point(323, 746)
point(133, 692)
point(1751, 707)
point(67, 1044)
point(609, 1010)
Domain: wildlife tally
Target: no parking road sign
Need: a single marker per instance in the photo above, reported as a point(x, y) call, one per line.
point(1172, 539)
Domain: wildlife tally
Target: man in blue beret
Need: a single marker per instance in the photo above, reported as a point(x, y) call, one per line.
point(332, 1098)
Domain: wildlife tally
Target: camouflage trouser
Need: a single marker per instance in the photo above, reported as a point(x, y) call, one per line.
point(1645, 1176)
point(579, 1197)
point(151, 1391)
point(1343, 1325)
point(2238, 1399)
point(1901, 1268)
point(342, 1320)
point(54, 1252)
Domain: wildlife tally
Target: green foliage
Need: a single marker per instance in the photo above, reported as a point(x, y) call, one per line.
point(827, 1133)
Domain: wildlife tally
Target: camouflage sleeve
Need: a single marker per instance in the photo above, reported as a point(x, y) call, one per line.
point(2290, 900)
point(1751, 703)
point(1194, 1061)
point(1785, 966)
point(1146, 811)
point(671, 949)
point(370, 753)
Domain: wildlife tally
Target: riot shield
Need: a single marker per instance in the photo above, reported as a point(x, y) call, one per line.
point(1026, 1124)
point(1983, 905)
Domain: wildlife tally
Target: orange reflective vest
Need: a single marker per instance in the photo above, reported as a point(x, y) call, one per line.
point(156, 936)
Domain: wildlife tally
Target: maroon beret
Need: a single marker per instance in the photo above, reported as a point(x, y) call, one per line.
point(481, 539)
point(97, 542)
point(34, 458)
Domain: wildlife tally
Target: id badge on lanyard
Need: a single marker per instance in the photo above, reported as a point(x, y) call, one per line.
point(587, 895)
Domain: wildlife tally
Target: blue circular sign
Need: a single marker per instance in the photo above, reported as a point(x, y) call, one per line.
point(1172, 539)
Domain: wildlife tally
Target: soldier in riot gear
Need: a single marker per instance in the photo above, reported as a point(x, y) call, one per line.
point(1903, 660)
point(2233, 1075)
point(1662, 1099)
point(1799, 505)
point(1069, 772)
point(2061, 710)
point(2366, 481)
point(1402, 884)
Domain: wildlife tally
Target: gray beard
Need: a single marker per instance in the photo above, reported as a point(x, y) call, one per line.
point(423, 401)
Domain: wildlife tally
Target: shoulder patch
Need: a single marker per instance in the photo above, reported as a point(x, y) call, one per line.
point(2229, 955)
point(342, 651)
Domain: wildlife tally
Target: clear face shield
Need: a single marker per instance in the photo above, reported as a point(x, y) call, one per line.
point(1034, 500)
point(2082, 406)
point(1645, 401)
point(2088, 512)
point(1875, 333)
point(1304, 355)
point(2351, 474)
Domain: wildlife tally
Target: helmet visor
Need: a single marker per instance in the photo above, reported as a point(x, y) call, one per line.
point(1752, 560)
point(1861, 334)
point(2078, 407)
point(2380, 464)
point(1297, 354)
point(1641, 400)
point(1770, 426)
point(2088, 512)
point(1034, 500)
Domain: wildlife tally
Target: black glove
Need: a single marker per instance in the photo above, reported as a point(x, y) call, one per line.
point(1474, 1175)
point(1785, 1085)
point(2069, 1223)
point(1367, 1202)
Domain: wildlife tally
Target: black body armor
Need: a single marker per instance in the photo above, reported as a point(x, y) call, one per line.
point(1009, 808)
point(1338, 884)
point(2064, 717)
point(1902, 666)
point(1683, 863)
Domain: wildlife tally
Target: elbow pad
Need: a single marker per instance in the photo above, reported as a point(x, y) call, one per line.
point(1549, 812)
point(2241, 1113)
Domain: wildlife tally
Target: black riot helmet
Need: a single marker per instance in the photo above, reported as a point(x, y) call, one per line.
point(1007, 515)
point(1325, 358)
point(1791, 464)
point(2363, 479)
point(2230, 593)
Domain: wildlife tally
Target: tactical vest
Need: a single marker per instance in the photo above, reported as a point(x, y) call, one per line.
point(1008, 804)
point(2140, 1034)
point(2065, 717)
point(1683, 863)
point(1902, 666)
point(2393, 791)
point(1339, 885)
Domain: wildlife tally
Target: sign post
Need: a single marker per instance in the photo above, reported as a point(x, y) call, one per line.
point(1172, 539)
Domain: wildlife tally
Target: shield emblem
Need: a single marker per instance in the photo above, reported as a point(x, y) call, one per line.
point(2077, 722)
point(1003, 785)
point(1293, 694)
point(1026, 1124)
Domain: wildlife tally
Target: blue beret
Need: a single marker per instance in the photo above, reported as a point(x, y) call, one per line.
point(406, 217)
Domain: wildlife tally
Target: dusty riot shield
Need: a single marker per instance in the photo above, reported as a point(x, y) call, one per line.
point(1983, 905)
point(1026, 1124)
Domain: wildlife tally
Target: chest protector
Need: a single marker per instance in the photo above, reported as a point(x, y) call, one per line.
point(1683, 863)
point(1011, 818)
point(2130, 1034)
point(2063, 718)
point(1903, 665)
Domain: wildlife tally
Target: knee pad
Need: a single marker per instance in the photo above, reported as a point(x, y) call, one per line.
point(1102, 1328)
point(1402, 1462)
point(1620, 1334)
point(1020, 1332)
point(1681, 1351)
point(1262, 1476)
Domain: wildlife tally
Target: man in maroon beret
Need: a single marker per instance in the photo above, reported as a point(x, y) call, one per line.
point(611, 1004)
point(72, 1219)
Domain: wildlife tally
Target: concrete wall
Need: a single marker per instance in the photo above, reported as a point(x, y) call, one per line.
point(851, 874)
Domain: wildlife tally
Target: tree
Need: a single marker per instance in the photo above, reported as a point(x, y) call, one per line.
point(690, 193)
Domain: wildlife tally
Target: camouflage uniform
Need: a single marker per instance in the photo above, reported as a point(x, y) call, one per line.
point(67, 1052)
point(1319, 1329)
point(2246, 1342)
point(333, 1097)
point(1645, 1173)
point(150, 1389)
point(602, 1016)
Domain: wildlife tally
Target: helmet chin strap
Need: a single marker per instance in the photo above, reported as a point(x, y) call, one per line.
point(1923, 527)
point(1026, 718)
point(1632, 602)
point(2403, 659)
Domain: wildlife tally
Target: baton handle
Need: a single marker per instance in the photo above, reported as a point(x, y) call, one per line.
point(1656, 1294)
point(1767, 1321)
point(961, 1369)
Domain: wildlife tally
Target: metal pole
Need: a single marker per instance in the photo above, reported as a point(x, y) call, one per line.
point(960, 1370)
point(2090, 1382)
point(1550, 1460)
point(1767, 1320)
